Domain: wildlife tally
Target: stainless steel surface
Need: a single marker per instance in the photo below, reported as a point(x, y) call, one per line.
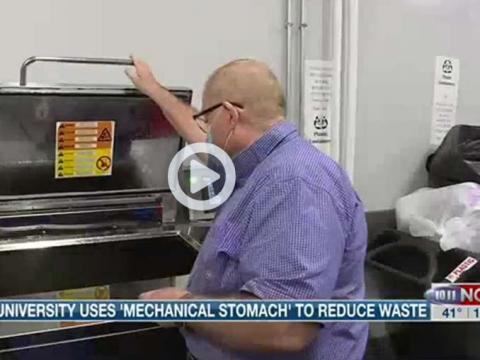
point(124, 341)
point(197, 231)
point(144, 141)
point(43, 242)
point(303, 27)
point(170, 208)
point(17, 206)
point(62, 214)
point(148, 327)
point(80, 89)
point(80, 195)
point(59, 262)
point(70, 60)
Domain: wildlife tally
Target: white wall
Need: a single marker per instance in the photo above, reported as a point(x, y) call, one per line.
point(398, 43)
point(184, 40)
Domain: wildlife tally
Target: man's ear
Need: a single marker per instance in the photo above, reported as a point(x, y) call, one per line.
point(233, 112)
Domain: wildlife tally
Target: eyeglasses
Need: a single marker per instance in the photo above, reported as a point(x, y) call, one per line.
point(202, 122)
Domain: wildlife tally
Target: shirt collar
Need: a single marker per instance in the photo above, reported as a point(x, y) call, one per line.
point(247, 160)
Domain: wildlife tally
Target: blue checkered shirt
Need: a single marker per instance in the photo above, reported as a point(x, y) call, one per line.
point(294, 228)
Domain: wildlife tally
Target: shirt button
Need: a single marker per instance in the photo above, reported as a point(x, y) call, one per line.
point(208, 275)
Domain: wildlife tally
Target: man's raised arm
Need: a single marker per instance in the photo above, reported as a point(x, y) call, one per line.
point(179, 114)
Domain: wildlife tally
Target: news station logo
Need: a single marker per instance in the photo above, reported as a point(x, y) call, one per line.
point(454, 294)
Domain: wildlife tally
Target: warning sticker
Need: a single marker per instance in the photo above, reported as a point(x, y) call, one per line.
point(105, 136)
point(84, 149)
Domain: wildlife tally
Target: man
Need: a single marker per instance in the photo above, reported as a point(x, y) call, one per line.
point(293, 228)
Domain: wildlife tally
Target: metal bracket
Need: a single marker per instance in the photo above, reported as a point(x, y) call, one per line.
point(303, 26)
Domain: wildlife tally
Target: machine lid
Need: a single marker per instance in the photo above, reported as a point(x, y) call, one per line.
point(81, 89)
point(140, 143)
point(82, 138)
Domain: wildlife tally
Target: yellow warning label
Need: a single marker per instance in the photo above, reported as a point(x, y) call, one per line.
point(84, 149)
point(91, 293)
point(104, 163)
point(105, 136)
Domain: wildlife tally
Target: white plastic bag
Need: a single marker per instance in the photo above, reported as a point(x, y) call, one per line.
point(450, 215)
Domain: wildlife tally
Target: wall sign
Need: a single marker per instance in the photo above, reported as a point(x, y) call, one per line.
point(317, 108)
point(445, 98)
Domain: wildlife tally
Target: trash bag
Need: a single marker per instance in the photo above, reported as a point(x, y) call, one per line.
point(457, 160)
point(449, 215)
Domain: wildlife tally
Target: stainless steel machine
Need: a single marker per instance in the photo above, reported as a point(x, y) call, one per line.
point(84, 197)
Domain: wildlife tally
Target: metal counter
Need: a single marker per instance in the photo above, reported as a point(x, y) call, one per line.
point(97, 342)
point(33, 266)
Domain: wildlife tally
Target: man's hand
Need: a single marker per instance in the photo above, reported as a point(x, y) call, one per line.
point(142, 77)
point(247, 336)
point(179, 114)
point(169, 293)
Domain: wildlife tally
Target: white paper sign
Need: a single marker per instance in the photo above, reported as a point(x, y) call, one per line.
point(317, 107)
point(445, 100)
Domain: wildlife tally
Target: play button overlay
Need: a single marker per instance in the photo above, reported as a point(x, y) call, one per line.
point(202, 177)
